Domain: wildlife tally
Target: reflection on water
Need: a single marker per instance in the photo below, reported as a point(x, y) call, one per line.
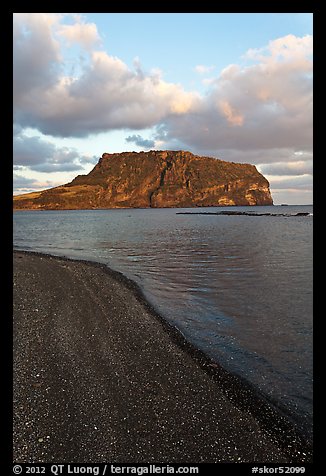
point(239, 287)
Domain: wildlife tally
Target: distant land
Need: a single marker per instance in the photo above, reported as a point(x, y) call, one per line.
point(155, 179)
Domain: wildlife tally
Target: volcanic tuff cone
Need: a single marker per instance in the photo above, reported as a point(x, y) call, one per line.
point(155, 179)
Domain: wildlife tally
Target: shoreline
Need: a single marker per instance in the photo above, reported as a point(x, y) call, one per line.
point(140, 208)
point(292, 443)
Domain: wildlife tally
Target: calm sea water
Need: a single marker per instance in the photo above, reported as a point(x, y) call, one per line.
point(238, 287)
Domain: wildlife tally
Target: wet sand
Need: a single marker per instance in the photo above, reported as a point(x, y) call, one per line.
point(100, 377)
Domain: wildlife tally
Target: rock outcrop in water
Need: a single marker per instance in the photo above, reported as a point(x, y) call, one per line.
point(155, 179)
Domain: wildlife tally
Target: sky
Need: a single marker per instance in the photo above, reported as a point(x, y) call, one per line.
point(235, 86)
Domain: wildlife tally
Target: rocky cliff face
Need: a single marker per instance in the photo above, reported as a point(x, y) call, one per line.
point(155, 179)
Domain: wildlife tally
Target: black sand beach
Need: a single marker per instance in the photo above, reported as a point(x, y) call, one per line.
point(99, 377)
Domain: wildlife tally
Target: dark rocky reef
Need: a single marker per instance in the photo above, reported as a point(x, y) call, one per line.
point(249, 214)
point(155, 179)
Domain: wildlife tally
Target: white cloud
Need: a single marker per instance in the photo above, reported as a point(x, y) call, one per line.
point(36, 54)
point(291, 182)
point(85, 34)
point(106, 95)
point(202, 69)
point(292, 196)
point(295, 168)
point(271, 100)
point(40, 155)
point(140, 141)
point(285, 49)
point(233, 117)
point(24, 184)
